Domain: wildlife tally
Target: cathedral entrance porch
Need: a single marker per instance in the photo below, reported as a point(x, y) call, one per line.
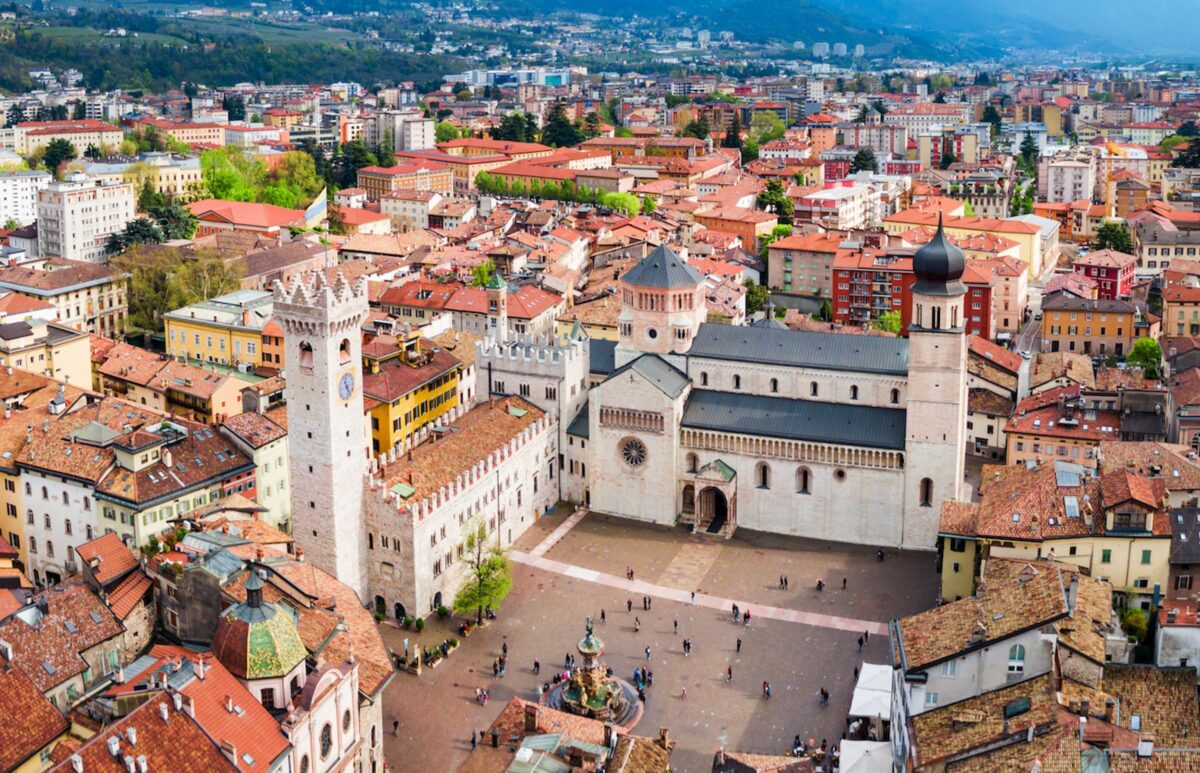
point(713, 511)
point(709, 500)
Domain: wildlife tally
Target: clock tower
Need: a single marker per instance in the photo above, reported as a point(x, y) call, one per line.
point(327, 445)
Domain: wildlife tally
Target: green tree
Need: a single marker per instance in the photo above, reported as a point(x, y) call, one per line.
point(1134, 623)
point(482, 274)
point(175, 221)
point(559, 132)
point(511, 128)
point(1188, 129)
point(203, 276)
point(591, 124)
point(622, 202)
point(235, 104)
point(150, 268)
point(488, 578)
point(531, 128)
point(1113, 236)
point(148, 195)
point(992, 116)
point(864, 161)
point(826, 312)
point(622, 131)
point(1029, 152)
point(139, 231)
point(766, 126)
point(1146, 355)
point(1189, 157)
point(14, 116)
point(948, 158)
point(648, 205)
point(733, 135)
point(1171, 142)
point(773, 198)
point(888, 322)
point(58, 151)
point(231, 174)
point(756, 296)
point(697, 129)
point(445, 131)
point(749, 150)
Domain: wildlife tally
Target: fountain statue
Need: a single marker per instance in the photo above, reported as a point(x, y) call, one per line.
point(591, 692)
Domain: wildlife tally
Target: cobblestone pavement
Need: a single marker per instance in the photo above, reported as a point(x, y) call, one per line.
point(544, 615)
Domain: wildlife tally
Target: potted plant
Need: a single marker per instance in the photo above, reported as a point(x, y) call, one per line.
point(408, 621)
point(420, 624)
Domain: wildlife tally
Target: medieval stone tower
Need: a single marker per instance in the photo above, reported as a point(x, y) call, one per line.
point(662, 306)
point(326, 428)
point(935, 442)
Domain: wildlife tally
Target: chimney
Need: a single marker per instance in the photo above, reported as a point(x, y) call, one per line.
point(229, 703)
point(77, 763)
point(1085, 707)
point(664, 738)
point(230, 750)
point(299, 553)
point(114, 746)
point(1110, 706)
point(531, 717)
point(177, 699)
point(164, 712)
point(130, 765)
point(131, 735)
point(200, 667)
point(141, 764)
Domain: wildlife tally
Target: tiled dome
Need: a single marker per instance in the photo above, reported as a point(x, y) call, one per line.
point(258, 639)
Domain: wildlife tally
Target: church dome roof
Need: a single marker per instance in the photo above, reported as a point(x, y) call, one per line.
point(257, 639)
point(663, 269)
point(939, 266)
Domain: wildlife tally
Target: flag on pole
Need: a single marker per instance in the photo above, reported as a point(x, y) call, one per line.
point(315, 214)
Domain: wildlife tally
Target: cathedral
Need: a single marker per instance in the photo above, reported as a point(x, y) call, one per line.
point(851, 438)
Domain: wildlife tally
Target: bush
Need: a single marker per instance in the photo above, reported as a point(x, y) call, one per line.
point(379, 617)
point(452, 642)
point(442, 611)
point(408, 621)
point(1135, 624)
point(420, 624)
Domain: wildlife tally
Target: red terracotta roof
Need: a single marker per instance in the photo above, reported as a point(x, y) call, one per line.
point(31, 721)
point(246, 213)
point(109, 556)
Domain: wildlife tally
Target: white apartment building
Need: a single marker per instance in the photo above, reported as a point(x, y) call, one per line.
point(408, 130)
point(842, 208)
point(76, 217)
point(409, 209)
point(19, 195)
point(1067, 179)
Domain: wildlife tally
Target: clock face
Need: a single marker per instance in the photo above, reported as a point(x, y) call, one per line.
point(346, 385)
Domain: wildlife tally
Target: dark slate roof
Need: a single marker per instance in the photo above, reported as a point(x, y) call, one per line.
point(769, 322)
point(15, 330)
point(602, 356)
point(579, 425)
point(1185, 535)
point(824, 351)
point(782, 417)
point(671, 380)
point(663, 269)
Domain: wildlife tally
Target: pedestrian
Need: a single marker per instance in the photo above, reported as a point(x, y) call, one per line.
point(735, 613)
point(675, 625)
point(649, 678)
point(631, 573)
point(643, 603)
point(478, 695)
point(729, 674)
point(879, 555)
point(395, 727)
point(781, 582)
point(860, 643)
point(637, 674)
point(843, 583)
point(866, 637)
point(693, 598)
point(628, 605)
point(637, 624)
point(746, 617)
point(647, 653)
point(785, 582)
point(474, 739)
point(496, 667)
point(537, 667)
point(641, 695)
point(504, 649)
point(824, 697)
point(603, 619)
point(856, 673)
point(683, 694)
point(649, 603)
point(739, 645)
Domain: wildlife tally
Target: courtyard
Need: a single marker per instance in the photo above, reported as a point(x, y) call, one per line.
point(798, 639)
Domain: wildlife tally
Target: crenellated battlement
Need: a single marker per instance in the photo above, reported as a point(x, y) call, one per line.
point(483, 470)
point(312, 300)
point(532, 350)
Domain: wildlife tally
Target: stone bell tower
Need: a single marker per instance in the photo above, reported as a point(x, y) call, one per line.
point(327, 445)
point(936, 424)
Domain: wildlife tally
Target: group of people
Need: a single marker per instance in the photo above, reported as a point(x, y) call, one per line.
point(819, 753)
point(744, 615)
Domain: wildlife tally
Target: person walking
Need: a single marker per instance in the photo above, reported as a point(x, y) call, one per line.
point(693, 598)
point(474, 739)
point(496, 667)
point(537, 667)
point(820, 585)
point(683, 694)
point(603, 619)
point(637, 624)
point(647, 653)
point(824, 697)
point(766, 689)
point(739, 645)
point(504, 649)
point(860, 643)
point(675, 626)
point(785, 582)
point(843, 583)
point(781, 582)
point(729, 674)
point(879, 555)
point(856, 673)
point(628, 605)
point(746, 617)
point(395, 727)
point(866, 637)
point(649, 603)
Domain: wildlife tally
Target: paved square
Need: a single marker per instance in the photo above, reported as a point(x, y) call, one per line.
point(544, 615)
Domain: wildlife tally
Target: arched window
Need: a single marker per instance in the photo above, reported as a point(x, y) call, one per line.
point(344, 352)
point(812, 389)
point(853, 391)
point(774, 385)
point(49, 548)
point(926, 492)
point(45, 493)
point(703, 378)
point(66, 498)
point(1016, 661)
point(895, 397)
point(370, 541)
point(762, 475)
point(67, 526)
point(306, 354)
point(693, 462)
point(803, 481)
point(935, 315)
point(737, 382)
point(33, 544)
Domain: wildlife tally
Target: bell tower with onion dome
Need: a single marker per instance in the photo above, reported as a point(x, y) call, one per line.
point(936, 422)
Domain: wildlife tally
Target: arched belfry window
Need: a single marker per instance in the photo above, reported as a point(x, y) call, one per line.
point(306, 354)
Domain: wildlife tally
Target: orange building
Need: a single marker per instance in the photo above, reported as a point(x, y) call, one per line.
point(750, 225)
point(416, 175)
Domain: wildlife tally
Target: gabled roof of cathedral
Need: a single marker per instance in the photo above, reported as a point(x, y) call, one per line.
point(662, 269)
point(579, 425)
point(671, 380)
point(824, 351)
point(780, 417)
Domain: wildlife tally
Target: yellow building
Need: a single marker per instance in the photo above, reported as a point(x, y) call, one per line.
point(1115, 526)
point(48, 349)
point(597, 318)
point(408, 383)
point(226, 330)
